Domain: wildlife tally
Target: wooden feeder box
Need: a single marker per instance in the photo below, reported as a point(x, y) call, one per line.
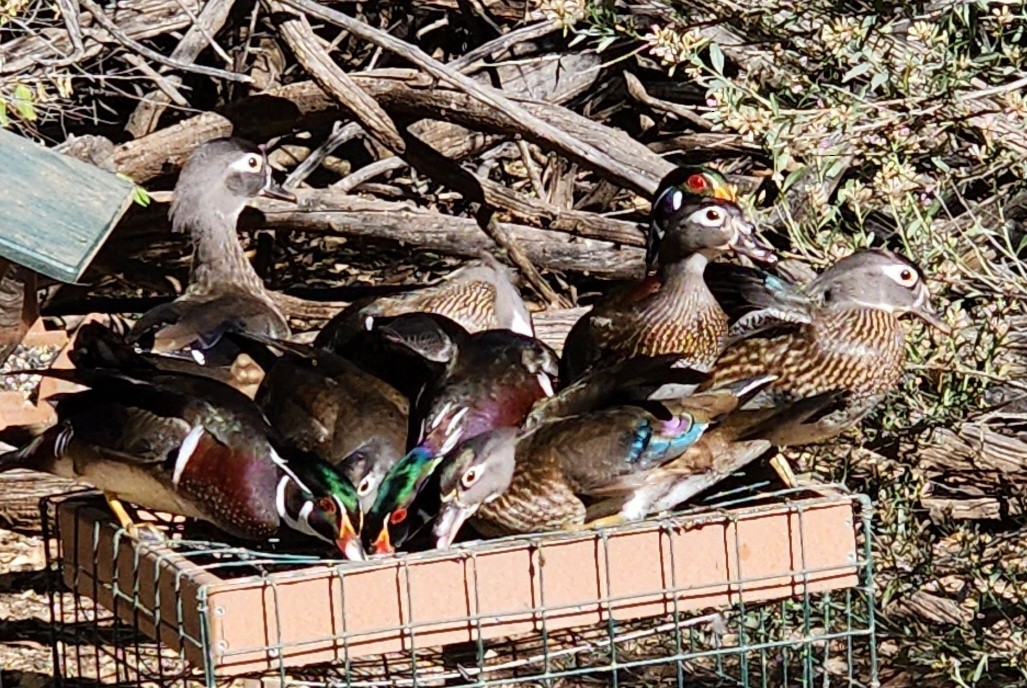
point(55, 213)
point(198, 604)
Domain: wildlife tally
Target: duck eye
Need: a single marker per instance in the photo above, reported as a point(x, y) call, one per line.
point(253, 162)
point(327, 505)
point(696, 182)
point(713, 215)
point(469, 478)
point(906, 276)
point(398, 516)
point(903, 275)
point(364, 487)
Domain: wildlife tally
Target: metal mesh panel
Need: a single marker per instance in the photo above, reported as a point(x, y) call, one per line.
point(629, 606)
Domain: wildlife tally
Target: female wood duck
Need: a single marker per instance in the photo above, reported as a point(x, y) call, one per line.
point(476, 297)
point(186, 445)
point(224, 292)
point(693, 222)
point(490, 379)
point(628, 460)
point(322, 404)
point(842, 332)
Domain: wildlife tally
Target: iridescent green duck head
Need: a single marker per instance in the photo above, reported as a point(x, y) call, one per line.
point(476, 472)
point(315, 498)
point(881, 280)
point(695, 211)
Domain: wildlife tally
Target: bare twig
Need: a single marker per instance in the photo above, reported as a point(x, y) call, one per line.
point(502, 106)
point(319, 64)
point(167, 87)
point(69, 12)
point(529, 166)
point(491, 227)
point(144, 118)
point(637, 91)
point(124, 39)
point(339, 136)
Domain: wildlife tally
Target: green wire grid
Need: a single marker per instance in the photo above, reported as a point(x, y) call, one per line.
point(816, 639)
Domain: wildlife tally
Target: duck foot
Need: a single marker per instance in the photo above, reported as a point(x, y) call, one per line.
point(142, 532)
point(604, 522)
point(784, 471)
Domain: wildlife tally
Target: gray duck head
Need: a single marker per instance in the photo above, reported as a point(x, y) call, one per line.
point(476, 472)
point(216, 183)
point(879, 279)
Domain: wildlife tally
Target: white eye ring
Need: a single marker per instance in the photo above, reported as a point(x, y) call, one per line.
point(711, 216)
point(903, 275)
point(469, 477)
point(249, 163)
point(365, 487)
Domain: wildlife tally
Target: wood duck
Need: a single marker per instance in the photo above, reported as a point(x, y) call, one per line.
point(490, 379)
point(224, 291)
point(323, 404)
point(476, 297)
point(627, 461)
point(186, 445)
point(693, 222)
point(841, 332)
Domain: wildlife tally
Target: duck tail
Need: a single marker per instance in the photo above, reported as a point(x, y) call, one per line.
point(28, 456)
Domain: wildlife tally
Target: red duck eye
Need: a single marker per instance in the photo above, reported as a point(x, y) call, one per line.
point(696, 182)
point(326, 504)
point(398, 516)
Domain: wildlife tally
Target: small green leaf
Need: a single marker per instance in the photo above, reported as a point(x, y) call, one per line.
point(3, 114)
point(857, 71)
point(717, 58)
point(140, 196)
point(605, 43)
point(23, 102)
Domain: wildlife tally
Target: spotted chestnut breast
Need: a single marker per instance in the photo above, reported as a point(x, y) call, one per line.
point(233, 483)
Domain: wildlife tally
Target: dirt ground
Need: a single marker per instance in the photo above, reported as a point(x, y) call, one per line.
point(25, 655)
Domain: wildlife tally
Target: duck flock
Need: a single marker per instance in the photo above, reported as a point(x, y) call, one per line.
point(438, 407)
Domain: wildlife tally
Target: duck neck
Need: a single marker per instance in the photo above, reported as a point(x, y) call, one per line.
point(685, 276)
point(219, 262)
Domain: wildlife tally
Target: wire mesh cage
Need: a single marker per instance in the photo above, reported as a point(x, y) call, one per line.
point(767, 590)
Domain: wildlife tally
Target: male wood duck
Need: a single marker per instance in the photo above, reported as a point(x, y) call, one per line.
point(490, 379)
point(841, 332)
point(694, 221)
point(186, 445)
point(628, 461)
point(476, 297)
point(224, 291)
point(322, 404)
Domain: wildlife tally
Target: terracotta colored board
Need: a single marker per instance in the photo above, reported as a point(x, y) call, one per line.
point(14, 409)
point(55, 211)
point(487, 590)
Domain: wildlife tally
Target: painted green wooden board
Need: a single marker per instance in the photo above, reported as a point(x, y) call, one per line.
point(55, 211)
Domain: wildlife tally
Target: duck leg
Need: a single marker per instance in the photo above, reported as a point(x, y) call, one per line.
point(137, 531)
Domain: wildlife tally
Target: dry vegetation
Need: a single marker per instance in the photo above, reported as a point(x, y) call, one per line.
point(845, 125)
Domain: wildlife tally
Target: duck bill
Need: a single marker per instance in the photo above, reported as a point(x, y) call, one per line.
point(927, 314)
point(383, 545)
point(349, 543)
point(448, 524)
point(746, 244)
point(274, 190)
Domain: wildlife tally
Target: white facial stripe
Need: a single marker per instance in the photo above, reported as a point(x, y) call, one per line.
point(198, 356)
point(677, 199)
point(437, 418)
point(369, 323)
point(546, 384)
point(895, 273)
point(245, 164)
point(185, 452)
point(710, 216)
point(62, 441)
point(451, 442)
point(457, 417)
